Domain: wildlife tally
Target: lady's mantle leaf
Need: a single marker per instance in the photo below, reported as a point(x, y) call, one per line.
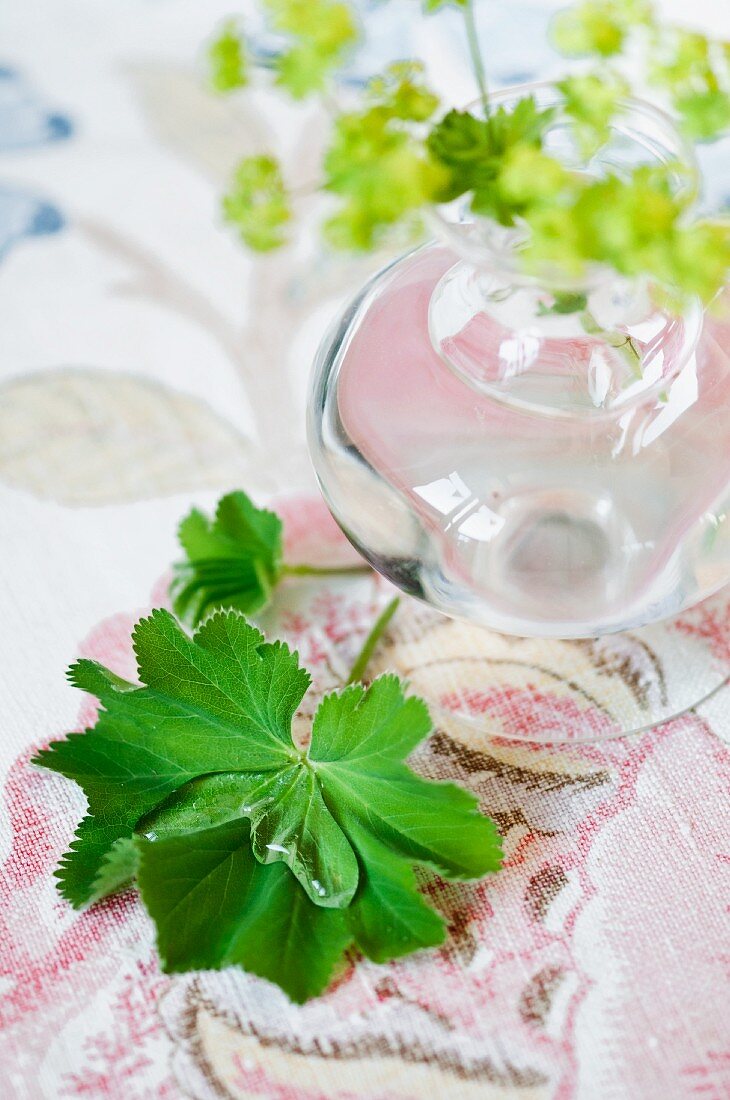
point(233, 560)
point(389, 917)
point(214, 905)
point(204, 751)
point(221, 701)
point(118, 869)
point(392, 817)
point(359, 740)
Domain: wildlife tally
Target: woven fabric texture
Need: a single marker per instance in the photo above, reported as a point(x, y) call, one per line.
point(147, 364)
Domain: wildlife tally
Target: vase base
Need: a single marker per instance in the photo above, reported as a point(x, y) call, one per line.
point(548, 691)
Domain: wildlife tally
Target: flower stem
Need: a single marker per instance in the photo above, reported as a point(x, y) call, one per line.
point(324, 570)
point(475, 54)
point(368, 647)
point(620, 341)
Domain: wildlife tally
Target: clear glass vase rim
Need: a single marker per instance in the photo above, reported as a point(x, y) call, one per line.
point(481, 255)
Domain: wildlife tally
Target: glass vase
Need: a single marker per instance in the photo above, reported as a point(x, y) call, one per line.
point(544, 460)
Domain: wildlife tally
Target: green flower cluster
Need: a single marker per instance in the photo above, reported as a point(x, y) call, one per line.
point(228, 60)
point(600, 27)
point(258, 204)
point(696, 74)
point(319, 34)
point(692, 70)
point(316, 36)
point(635, 224)
point(395, 151)
point(377, 163)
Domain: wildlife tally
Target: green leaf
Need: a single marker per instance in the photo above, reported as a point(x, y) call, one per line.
point(526, 123)
point(295, 826)
point(86, 872)
point(233, 560)
point(358, 742)
point(461, 140)
point(366, 726)
point(388, 917)
point(245, 839)
point(493, 157)
point(289, 824)
point(219, 702)
point(214, 905)
point(118, 869)
point(392, 817)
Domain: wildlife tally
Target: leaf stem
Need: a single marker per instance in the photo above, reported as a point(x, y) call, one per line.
point(620, 341)
point(323, 570)
point(475, 54)
point(368, 647)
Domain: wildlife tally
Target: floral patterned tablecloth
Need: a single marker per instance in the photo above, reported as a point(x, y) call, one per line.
point(146, 363)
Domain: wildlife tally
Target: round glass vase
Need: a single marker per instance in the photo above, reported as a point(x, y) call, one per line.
point(548, 462)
